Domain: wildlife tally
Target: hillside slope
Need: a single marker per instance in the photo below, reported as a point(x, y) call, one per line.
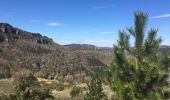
point(22, 49)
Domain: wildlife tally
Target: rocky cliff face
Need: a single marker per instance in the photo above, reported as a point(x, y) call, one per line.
point(8, 34)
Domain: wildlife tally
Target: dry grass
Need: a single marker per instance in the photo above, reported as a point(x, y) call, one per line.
point(61, 94)
point(45, 81)
point(6, 86)
point(65, 94)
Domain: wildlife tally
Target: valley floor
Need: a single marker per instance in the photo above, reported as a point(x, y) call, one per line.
point(7, 87)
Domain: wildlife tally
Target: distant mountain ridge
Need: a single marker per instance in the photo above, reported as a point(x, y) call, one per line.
point(164, 49)
point(85, 47)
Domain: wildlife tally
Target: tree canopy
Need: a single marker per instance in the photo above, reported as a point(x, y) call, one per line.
point(136, 71)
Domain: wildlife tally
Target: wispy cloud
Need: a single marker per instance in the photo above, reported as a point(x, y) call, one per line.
point(106, 32)
point(54, 24)
point(46, 23)
point(160, 16)
point(103, 6)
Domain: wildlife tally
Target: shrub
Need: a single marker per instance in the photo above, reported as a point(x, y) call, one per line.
point(27, 87)
point(69, 78)
point(58, 86)
point(4, 72)
point(75, 91)
point(41, 94)
point(1, 50)
point(25, 77)
point(40, 74)
point(23, 81)
point(10, 97)
point(95, 90)
point(165, 94)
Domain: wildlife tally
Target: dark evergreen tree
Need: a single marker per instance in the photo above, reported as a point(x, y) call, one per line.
point(95, 90)
point(136, 72)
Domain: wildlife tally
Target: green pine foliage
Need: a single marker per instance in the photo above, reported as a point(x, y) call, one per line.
point(166, 62)
point(137, 72)
point(95, 91)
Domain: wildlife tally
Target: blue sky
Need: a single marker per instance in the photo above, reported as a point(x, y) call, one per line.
point(84, 21)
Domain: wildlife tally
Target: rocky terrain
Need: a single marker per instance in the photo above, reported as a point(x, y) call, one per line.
point(22, 49)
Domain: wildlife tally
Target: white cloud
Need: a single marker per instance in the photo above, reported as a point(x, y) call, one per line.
point(160, 16)
point(54, 24)
point(46, 23)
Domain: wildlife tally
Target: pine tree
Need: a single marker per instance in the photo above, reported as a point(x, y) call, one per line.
point(136, 72)
point(166, 61)
point(95, 90)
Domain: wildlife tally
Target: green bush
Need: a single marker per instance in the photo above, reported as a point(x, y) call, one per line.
point(28, 88)
point(95, 90)
point(166, 94)
point(4, 72)
point(60, 87)
point(10, 97)
point(75, 91)
point(41, 94)
point(25, 77)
